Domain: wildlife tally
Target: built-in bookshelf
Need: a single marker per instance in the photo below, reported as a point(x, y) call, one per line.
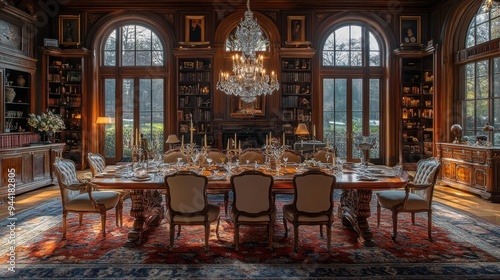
point(195, 96)
point(417, 105)
point(296, 89)
point(65, 94)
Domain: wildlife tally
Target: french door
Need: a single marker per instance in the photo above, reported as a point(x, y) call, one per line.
point(351, 107)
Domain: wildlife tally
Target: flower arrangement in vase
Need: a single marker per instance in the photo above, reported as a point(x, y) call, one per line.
point(46, 123)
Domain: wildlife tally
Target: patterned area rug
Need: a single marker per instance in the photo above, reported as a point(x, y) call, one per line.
point(464, 248)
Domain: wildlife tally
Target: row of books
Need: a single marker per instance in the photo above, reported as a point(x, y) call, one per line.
point(17, 140)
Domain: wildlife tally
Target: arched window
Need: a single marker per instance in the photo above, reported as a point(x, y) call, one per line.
point(352, 84)
point(133, 77)
point(480, 84)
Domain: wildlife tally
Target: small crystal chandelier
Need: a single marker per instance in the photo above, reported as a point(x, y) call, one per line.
point(249, 78)
point(490, 5)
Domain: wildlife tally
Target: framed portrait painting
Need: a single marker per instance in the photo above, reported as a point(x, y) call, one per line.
point(296, 29)
point(69, 30)
point(409, 30)
point(195, 29)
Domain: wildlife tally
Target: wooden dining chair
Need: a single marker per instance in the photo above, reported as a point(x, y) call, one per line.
point(415, 198)
point(97, 164)
point(187, 203)
point(171, 156)
point(312, 204)
point(80, 198)
point(218, 157)
point(253, 203)
point(252, 155)
point(293, 156)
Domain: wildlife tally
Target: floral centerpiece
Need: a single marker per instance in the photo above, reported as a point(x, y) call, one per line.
point(46, 123)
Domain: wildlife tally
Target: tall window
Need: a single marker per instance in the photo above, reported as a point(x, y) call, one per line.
point(480, 94)
point(352, 73)
point(133, 77)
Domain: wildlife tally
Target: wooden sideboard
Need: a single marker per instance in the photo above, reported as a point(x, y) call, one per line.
point(31, 166)
point(474, 169)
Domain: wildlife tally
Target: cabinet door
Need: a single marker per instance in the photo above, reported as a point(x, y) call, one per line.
point(40, 165)
point(479, 177)
point(448, 171)
point(463, 173)
point(11, 163)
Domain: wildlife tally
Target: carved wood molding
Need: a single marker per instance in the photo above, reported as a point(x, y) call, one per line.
point(9, 59)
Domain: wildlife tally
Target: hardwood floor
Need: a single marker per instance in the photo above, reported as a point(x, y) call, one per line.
point(455, 198)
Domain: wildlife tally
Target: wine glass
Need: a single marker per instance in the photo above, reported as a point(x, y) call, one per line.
point(248, 162)
point(285, 160)
point(209, 160)
point(179, 163)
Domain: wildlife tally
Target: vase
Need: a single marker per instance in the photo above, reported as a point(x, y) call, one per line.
point(10, 94)
point(20, 81)
point(45, 137)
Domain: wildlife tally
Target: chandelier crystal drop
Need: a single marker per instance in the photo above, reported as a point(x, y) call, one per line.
point(249, 78)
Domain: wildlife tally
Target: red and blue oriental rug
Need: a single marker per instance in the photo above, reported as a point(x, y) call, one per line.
point(464, 247)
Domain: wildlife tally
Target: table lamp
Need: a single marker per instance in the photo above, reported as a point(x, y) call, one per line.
point(172, 139)
point(301, 131)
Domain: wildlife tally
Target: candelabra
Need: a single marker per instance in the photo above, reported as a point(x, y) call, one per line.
point(137, 156)
point(274, 151)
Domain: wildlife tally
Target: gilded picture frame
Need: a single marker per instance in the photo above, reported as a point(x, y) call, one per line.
point(69, 30)
point(410, 30)
point(194, 30)
point(296, 33)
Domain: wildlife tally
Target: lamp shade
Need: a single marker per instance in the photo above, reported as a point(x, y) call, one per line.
point(302, 129)
point(105, 120)
point(172, 139)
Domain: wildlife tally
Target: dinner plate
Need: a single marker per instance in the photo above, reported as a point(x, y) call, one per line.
point(216, 178)
point(364, 178)
point(140, 179)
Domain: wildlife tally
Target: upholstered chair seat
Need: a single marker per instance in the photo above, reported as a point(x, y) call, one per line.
point(312, 204)
point(417, 196)
point(80, 198)
point(253, 203)
point(97, 164)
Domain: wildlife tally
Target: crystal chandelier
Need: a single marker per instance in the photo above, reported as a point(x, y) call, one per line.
point(490, 5)
point(249, 78)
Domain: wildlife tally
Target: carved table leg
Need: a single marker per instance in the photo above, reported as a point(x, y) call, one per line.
point(147, 212)
point(354, 210)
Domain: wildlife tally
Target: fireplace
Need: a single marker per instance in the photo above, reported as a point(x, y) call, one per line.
point(249, 137)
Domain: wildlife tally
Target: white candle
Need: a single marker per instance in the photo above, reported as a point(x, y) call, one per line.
point(182, 144)
point(205, 140)
point(239, 148)
point(235, 141)
point(314, 131)
point(267, 143)
point(191, 129)
point(227, 149)
point(283, 139)
point(327, 143)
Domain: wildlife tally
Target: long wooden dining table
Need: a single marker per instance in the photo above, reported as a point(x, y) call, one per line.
point(354, 207)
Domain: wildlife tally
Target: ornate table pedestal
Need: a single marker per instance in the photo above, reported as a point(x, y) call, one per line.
point(354, 210)
point(147, 212)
